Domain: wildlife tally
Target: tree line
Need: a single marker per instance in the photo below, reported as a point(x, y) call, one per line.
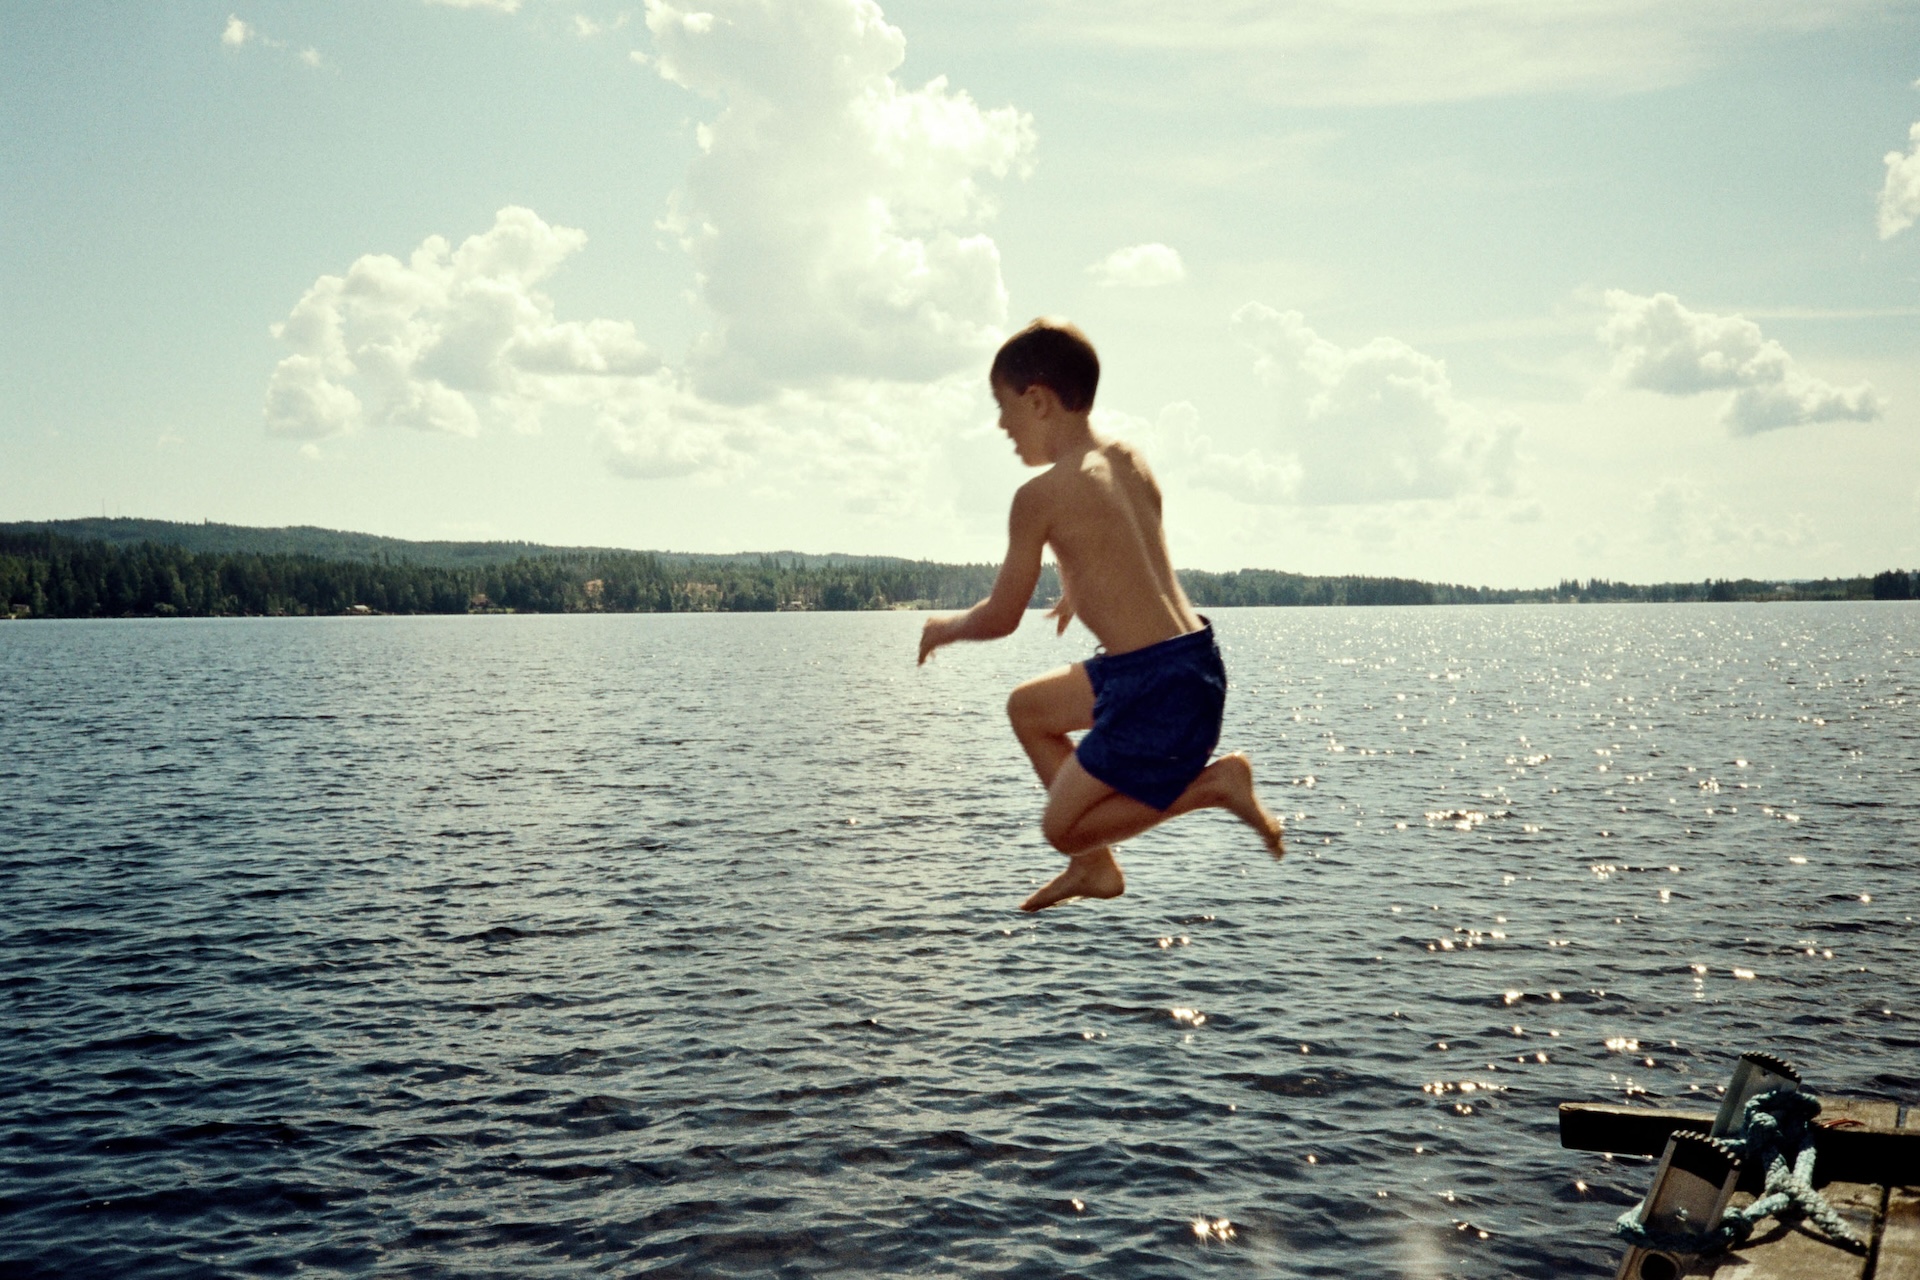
point(46, 575)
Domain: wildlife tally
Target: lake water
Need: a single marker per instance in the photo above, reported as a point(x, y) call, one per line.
point(686, 945)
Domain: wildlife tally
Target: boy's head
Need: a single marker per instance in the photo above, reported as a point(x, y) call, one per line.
point(1052, 354)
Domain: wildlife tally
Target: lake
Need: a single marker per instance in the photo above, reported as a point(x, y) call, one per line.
point(686, 945)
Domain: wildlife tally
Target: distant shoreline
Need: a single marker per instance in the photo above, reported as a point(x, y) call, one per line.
point(127, 568)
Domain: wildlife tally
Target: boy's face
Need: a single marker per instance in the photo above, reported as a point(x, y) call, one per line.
point(1023, 417)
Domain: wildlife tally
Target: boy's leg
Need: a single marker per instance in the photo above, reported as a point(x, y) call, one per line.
point(1084, 813)
point(1043, 712)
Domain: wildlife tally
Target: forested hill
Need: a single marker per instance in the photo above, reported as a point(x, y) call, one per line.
point(49, 574)
point(338, 544)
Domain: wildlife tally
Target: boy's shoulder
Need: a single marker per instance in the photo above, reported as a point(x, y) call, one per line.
point(1127, 454)
point(1079, 479)
point(1104, 458)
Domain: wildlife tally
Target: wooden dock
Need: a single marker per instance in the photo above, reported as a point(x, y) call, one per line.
point(1867, 1164)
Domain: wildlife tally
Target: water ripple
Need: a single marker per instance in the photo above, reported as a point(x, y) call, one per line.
point(685, 945)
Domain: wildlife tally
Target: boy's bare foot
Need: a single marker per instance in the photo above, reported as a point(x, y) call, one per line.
point(1231, 778)
point(1091, 875)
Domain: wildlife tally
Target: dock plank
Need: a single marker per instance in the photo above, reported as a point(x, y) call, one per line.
point(1900, 1239)
point(1899, 1253)
point(1878, 1153)
point(1798, 1253)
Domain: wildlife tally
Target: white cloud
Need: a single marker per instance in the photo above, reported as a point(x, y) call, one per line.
point(1175, 444)
point(1659, 345)
point(446, 340)
point(1374, 423)
point(238, 33)
point(1681, 520)
point(1900, 197)
point(876, 446)
point(454, 340)
point(1354, 52)
point(657, 429)
point(833, 215)
point(1139, 266)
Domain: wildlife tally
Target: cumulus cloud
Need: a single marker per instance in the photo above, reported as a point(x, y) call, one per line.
point(457, 339)
point(236, 32)
point(876, 446)
point(1659, 345)
point(833, 215)
point(1139, 266)
point(446, 339)
point(658, 428)
point(1681, 519)
point(1900, 197)
point(1260, 476)
point(1374, 423)
point(1371, 424)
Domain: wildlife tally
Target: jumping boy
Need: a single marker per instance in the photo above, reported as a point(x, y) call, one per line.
point(1151, 698)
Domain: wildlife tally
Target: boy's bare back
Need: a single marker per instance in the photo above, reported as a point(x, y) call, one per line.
point(1099, 509)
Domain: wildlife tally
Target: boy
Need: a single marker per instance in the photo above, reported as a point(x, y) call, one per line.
point(1151, 699)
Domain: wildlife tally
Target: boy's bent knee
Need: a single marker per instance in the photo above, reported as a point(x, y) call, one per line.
point(1056, 831)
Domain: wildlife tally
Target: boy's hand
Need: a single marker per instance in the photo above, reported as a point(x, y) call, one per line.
point(933, 634)
point(1061, 613)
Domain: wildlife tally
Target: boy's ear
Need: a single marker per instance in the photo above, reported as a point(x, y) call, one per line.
point(1041, 399)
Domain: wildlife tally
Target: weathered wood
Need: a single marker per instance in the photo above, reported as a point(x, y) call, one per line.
point(1873, 1152)
point(1899, 1253)
point(1625, 1131)
point(1900, 1237)
point(1800, 1252)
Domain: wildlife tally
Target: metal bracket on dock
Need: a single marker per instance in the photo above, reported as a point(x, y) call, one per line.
point(1691, 1190)
point(1757, 1073)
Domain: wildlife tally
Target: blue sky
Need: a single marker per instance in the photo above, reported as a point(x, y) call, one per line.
point(1486, 291)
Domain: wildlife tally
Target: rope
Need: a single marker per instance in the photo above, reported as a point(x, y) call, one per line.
point(1774, 1135)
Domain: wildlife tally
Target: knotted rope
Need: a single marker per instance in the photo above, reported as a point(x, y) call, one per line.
point(1775, 1134)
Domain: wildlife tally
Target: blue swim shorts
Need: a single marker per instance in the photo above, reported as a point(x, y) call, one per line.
point(1156, 716)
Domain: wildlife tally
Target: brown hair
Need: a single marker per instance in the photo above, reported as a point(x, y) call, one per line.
point(1053, 354)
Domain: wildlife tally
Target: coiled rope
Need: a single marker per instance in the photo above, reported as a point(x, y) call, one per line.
point(1775, 1134)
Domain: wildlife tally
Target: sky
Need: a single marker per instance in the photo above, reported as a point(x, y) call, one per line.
point(1482, 291)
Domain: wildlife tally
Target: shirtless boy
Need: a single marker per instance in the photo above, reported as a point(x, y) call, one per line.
point(1152, 698)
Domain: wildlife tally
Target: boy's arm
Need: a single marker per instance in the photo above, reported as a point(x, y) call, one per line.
point(1062, 611)
point(1000, 613)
